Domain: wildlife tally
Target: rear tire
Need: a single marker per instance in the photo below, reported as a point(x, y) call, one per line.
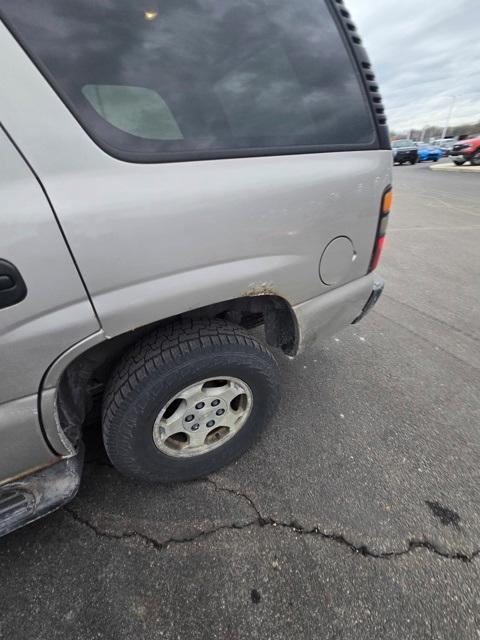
point(161, 370)
point(475, 159)
point(459, 162)
point(414, 161)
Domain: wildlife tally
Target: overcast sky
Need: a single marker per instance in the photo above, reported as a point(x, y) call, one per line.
point(423, 52)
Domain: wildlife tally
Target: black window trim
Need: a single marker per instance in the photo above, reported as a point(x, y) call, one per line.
point(363, 69)
point(356, 53)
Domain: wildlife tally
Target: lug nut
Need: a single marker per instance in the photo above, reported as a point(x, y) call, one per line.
point(215, 403)
point(220, 412)
point(210, 423)
point(199, 405)
point(189, 418)
point(195, 427)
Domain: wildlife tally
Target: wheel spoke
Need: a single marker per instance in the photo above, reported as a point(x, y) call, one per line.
point(170, 428)
point(230, 391)
point(229, 419)
point(193, 394)
point(196, 438)
point(175, 420)
point(200, 418)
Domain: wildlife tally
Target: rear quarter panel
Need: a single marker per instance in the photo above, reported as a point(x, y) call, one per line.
point(154, 240)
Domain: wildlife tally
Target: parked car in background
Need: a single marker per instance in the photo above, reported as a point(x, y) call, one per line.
point(404, 151)
point(445, 144)
point(467, 150)
point(171, 187)
point(467, 136)
point(428, 152)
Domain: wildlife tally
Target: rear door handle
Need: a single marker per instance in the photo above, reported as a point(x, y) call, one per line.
point(12, 286)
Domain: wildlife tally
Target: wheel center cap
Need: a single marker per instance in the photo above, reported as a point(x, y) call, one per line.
point(205, 415)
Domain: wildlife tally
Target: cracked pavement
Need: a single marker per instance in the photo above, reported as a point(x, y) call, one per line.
point(356, 516)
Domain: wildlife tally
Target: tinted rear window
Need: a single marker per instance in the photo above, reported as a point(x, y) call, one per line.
point(402, 143)
point(193, 76)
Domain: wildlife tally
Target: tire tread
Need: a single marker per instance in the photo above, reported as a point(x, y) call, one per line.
point(163, 348)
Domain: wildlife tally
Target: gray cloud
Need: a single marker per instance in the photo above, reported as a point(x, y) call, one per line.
point(423, 52)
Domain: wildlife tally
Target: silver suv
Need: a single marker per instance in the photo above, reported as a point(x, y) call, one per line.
point(172, 178)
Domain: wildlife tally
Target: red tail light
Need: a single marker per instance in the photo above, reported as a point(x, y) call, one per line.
point(377, 252)
point(381, 229)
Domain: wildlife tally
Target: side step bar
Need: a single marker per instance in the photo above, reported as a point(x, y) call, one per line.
point(25, 500)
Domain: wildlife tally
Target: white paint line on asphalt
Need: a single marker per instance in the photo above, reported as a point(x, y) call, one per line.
point(454, 207)
point(450, 194)
point(453, 167)
point(428, 195)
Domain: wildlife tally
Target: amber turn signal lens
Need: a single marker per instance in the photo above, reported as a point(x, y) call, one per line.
point(387, 202)
point(381, 229)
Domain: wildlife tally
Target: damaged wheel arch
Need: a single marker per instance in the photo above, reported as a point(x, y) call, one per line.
point(72, 382)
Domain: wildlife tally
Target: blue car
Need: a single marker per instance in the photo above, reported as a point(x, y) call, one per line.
point(428, 152)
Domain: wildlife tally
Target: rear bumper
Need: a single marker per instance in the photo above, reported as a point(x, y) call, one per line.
point(377, 290)
point(405, 156)
point(34, 496)
point(461, 155)
point(324, 316)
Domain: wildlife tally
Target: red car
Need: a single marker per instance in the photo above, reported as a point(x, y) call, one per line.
point(467, 150)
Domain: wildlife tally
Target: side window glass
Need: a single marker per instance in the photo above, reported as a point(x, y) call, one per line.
point(258, 86)
point(186, 79)
point(135, 110)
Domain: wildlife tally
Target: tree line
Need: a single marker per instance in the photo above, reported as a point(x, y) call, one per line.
point(431, 131)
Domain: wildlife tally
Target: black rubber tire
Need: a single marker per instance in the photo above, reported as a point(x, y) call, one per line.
point(459, 162)
point(163, 363)
point(475, 159)
point(414, 161)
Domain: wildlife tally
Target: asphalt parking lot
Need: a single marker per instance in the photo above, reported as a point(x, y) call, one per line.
point(358, 514)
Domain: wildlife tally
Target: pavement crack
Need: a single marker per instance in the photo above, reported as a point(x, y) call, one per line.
point(150, 540)
point(261, 521)
point(363, 550)
point(238, 494)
